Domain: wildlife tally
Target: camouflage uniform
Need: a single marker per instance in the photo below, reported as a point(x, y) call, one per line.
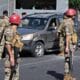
point(9, 75)
point(61, 35)
point(2, 41)
point(3, 24)
point(8, 35)
point(69, 27)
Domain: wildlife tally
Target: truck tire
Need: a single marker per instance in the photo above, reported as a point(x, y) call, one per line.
point(38, 49)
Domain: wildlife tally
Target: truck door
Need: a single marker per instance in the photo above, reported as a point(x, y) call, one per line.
point(52, 38)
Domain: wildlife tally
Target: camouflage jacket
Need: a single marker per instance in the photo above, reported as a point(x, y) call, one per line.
point(3, 24)
point(61, 28)
point(65, 27)
point(9, 34)
point(12, 37)
point(69, 28)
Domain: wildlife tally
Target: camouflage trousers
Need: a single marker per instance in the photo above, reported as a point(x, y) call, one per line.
point(68, 67)
point(1, 50)
point(8, 74)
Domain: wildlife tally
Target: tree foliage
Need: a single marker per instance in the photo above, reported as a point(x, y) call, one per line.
point(74, 4)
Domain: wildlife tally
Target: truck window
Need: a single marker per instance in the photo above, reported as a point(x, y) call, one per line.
point(53, 22)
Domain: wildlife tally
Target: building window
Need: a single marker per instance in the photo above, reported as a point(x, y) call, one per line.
point(36, 4)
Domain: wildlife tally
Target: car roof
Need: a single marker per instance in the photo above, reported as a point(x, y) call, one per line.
point(43, 15)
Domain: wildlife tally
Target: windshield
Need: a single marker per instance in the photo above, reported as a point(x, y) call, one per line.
point(34, 23)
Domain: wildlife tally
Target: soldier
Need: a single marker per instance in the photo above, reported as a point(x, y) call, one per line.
point(11, 65)
point(4, 22)
point(3, 25)
point(23, 14)
point(5, 15)
point(61, 35)
point(69, 45)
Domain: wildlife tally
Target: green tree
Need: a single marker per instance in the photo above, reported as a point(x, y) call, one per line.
point(74, 4)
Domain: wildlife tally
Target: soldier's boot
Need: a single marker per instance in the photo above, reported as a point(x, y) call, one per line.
point(69, 77)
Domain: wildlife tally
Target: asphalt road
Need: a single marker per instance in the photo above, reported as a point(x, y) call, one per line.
point(48, 67)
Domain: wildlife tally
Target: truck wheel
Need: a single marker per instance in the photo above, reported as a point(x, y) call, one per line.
point(38, 49)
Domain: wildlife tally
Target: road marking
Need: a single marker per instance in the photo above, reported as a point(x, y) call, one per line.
point(33, 63)
point(45, 61)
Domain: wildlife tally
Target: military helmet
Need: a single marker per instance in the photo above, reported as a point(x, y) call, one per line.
point(14, 19)
point(70, 12)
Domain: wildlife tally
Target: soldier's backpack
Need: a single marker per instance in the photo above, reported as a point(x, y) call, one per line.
point(16, 41)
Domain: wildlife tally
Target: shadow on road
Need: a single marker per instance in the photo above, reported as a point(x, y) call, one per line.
point(58, 76)
point(25, 54)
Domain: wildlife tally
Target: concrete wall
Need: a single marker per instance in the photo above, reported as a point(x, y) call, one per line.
point(3, 6)
point(11, 6)
point(6, 5)
point(62, 6)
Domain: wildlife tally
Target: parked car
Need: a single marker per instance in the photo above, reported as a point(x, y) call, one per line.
point(39, 32)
